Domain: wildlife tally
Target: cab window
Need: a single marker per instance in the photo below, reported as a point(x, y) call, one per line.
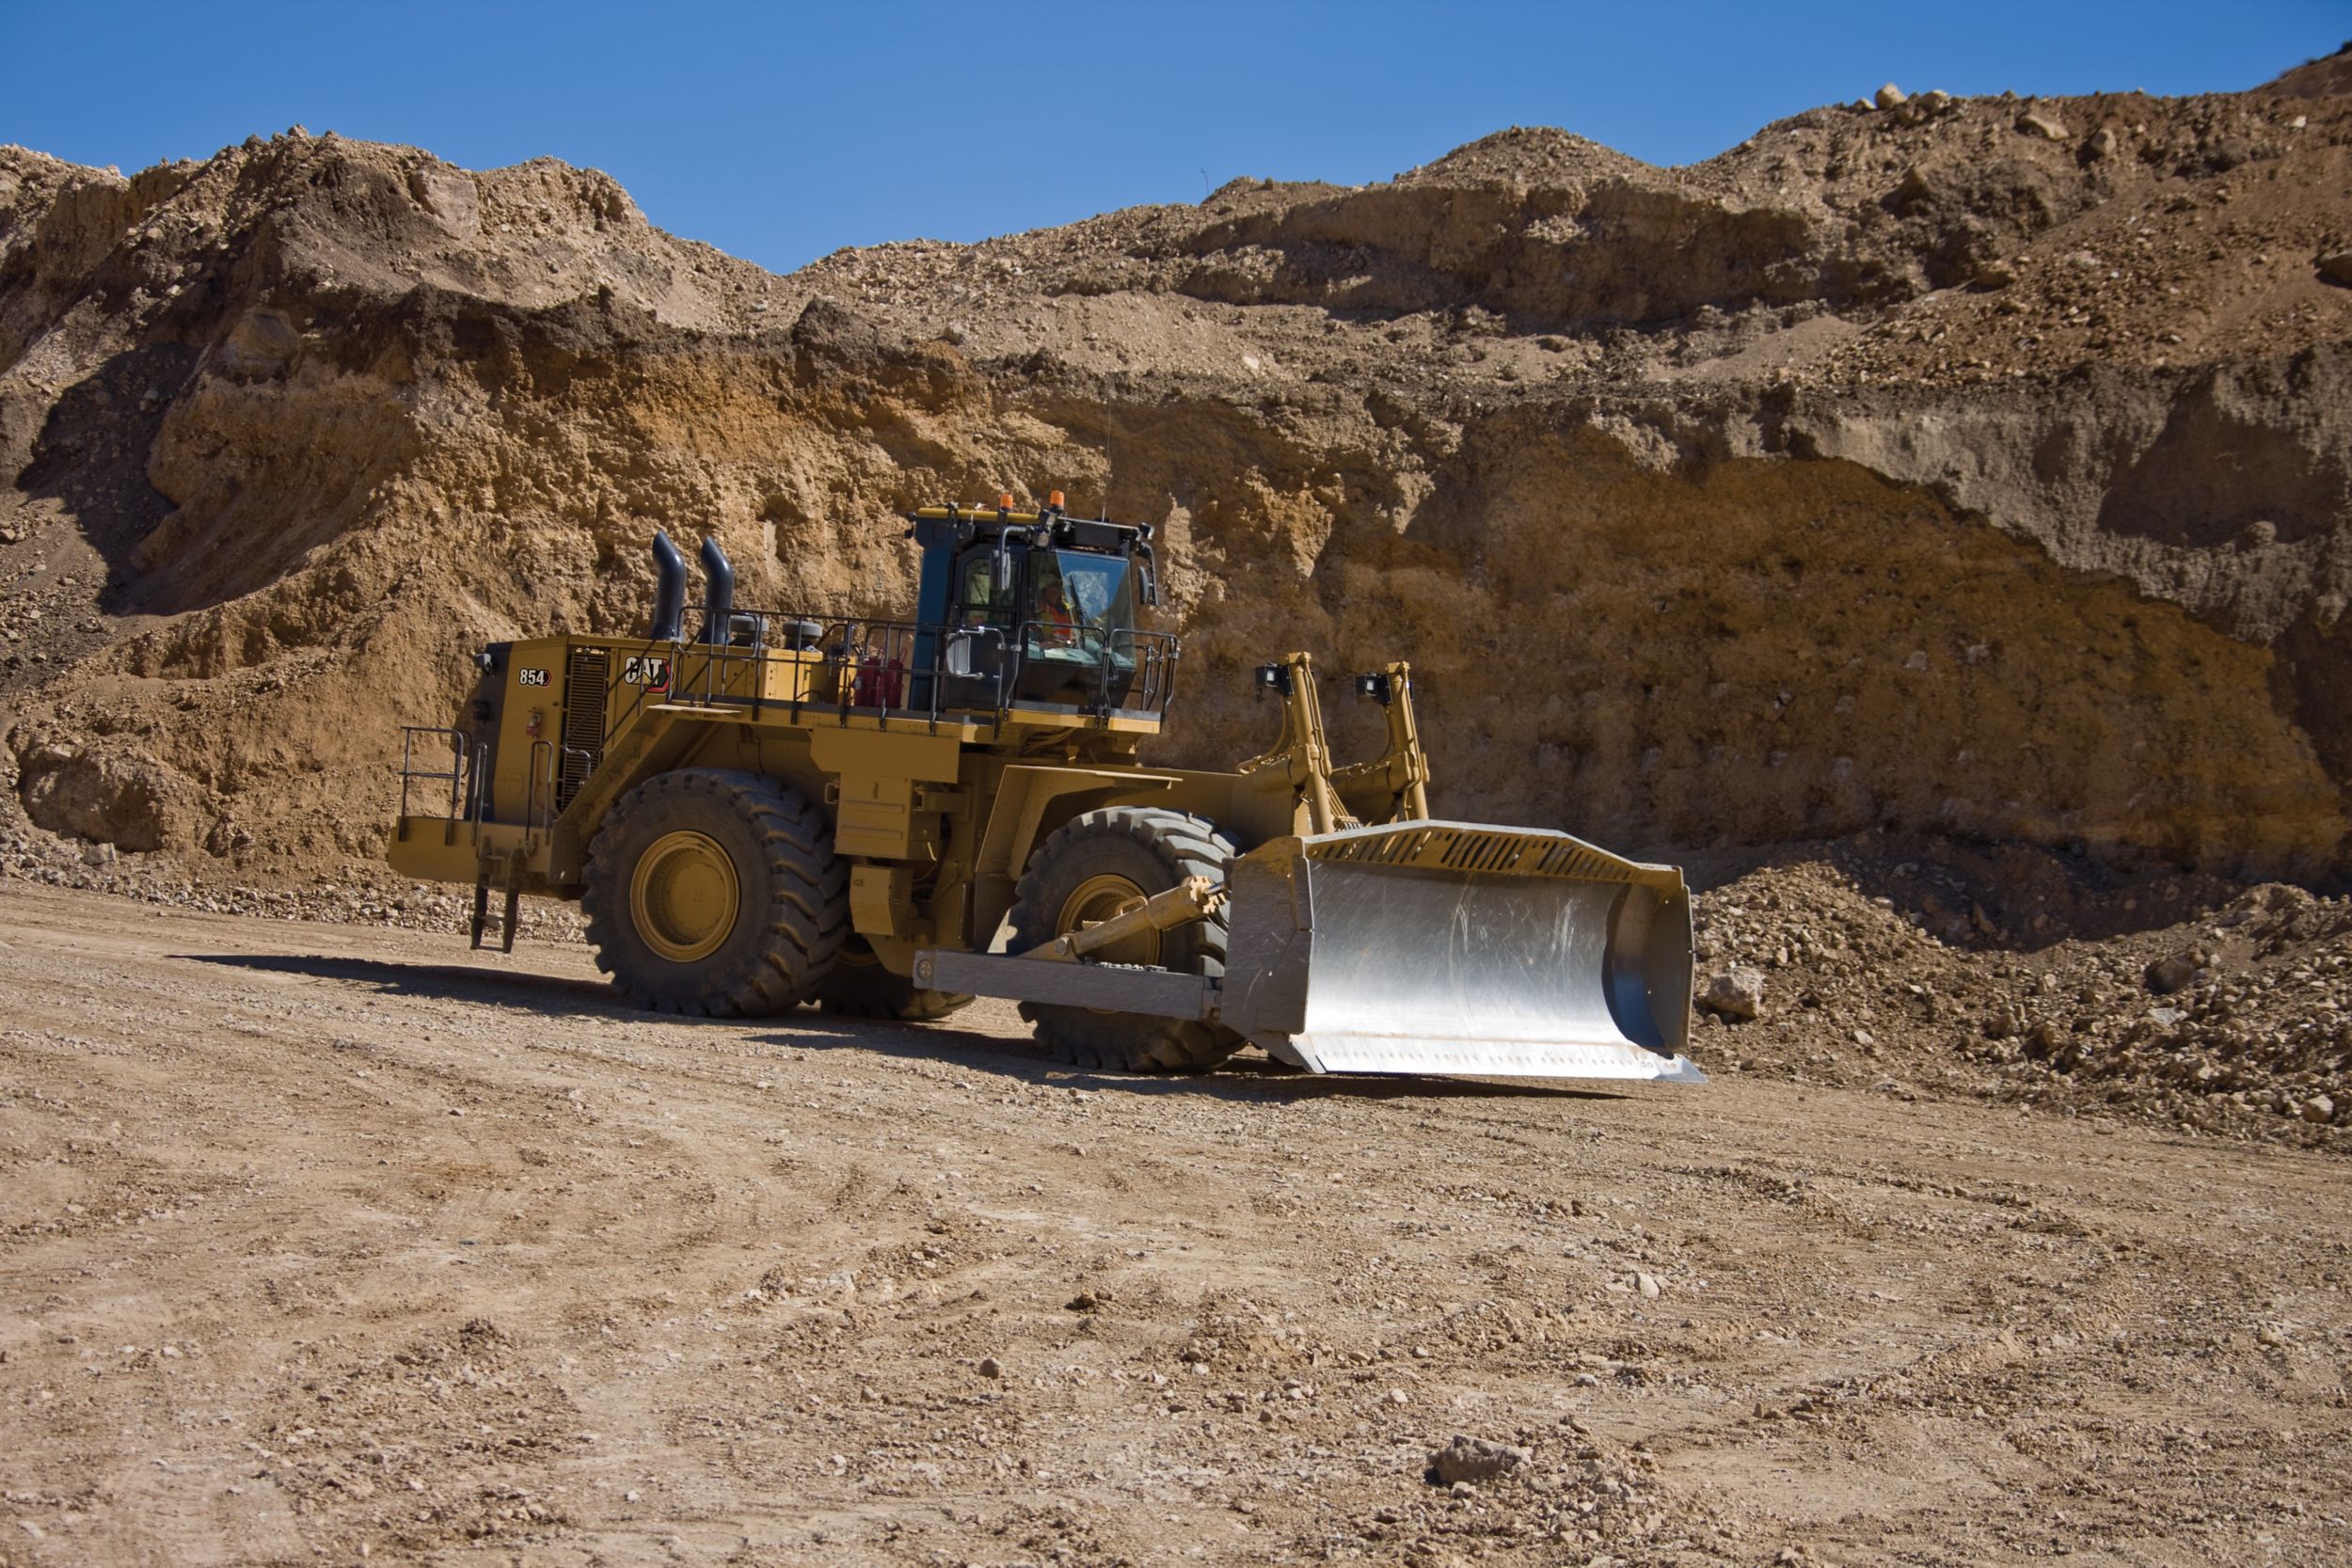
point(977, 604)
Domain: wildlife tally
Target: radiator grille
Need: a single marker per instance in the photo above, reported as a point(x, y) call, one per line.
point(584, 689)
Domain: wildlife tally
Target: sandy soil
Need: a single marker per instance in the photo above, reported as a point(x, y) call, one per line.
point(325, 1243)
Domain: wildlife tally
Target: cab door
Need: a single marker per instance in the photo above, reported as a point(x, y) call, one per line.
point(977, 652)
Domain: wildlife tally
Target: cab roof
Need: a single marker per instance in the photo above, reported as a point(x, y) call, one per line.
point(958, 524)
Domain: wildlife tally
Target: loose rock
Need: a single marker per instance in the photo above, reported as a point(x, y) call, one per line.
point(2171, 974)
point(1735, 992)
point(1474, 1459)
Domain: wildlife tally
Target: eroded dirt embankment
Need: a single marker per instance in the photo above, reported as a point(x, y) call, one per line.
point(1974, 468)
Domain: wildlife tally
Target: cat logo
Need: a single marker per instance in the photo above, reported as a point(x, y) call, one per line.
point(646, 670)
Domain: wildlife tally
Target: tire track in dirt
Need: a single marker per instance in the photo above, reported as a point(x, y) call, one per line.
point(925, 1294)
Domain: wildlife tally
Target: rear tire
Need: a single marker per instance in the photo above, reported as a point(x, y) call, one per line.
point(1090, 866)
point(716, 892)
point(860, 986)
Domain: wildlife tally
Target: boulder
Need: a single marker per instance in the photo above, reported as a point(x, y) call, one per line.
point(1474, 1459)
point(2174, 972)
point(1734, 992)
point(451, 196)
point(262, 343)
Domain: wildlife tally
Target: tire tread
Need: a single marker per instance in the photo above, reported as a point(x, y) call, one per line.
point(807, 885)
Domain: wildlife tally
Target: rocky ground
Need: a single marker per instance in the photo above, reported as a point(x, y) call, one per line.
point(323, 1243)
point(2181, 999)
point(2233, 1017)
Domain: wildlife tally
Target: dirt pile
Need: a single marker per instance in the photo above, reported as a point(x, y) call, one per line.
point(2329, 77)
point(1971, 465)
point(2174, 998)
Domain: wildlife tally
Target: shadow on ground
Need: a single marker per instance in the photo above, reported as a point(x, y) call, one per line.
point(1247, 1077)
point(445, 982)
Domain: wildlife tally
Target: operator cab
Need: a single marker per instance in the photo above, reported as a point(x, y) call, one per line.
point(1037, 610)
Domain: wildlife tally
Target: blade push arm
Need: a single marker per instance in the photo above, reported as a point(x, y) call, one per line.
point(1193, 898)
point(1304, 752)
point(1402, 773)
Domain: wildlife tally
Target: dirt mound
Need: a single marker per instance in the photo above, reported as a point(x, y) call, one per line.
point(1917, 971)
point(2329, 77)
point(1971, 466)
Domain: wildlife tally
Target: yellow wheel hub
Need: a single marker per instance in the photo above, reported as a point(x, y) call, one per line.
point(1097, 899)
point(684, 896)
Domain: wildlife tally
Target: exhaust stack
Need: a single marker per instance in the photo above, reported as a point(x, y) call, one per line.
point(718, 595)
point(669, 592)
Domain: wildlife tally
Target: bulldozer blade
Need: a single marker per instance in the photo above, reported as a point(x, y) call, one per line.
point(1444, 948)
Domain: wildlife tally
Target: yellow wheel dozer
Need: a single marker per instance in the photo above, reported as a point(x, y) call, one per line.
point(781, 809)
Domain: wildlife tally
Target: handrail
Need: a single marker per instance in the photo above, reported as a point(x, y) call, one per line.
point(893, 669)
point(478, 794)
point(410, 772)
point(533, 779)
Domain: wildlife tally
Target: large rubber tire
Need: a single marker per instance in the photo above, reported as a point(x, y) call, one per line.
point(860, 986)
point(1080, 874)
point(716, 892)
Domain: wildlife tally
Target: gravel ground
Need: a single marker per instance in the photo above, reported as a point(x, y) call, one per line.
point(325, 1242)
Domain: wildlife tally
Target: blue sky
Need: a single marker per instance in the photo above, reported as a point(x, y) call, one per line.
point(782, 131)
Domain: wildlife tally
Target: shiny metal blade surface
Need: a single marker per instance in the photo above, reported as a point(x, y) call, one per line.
point(1423, 971)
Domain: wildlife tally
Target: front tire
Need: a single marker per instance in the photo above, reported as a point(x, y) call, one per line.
point(1091, 867)
point(716, 892)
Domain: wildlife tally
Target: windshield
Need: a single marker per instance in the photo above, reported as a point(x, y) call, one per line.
point(1083, 603)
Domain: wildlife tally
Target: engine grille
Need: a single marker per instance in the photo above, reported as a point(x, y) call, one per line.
point(584, 689)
